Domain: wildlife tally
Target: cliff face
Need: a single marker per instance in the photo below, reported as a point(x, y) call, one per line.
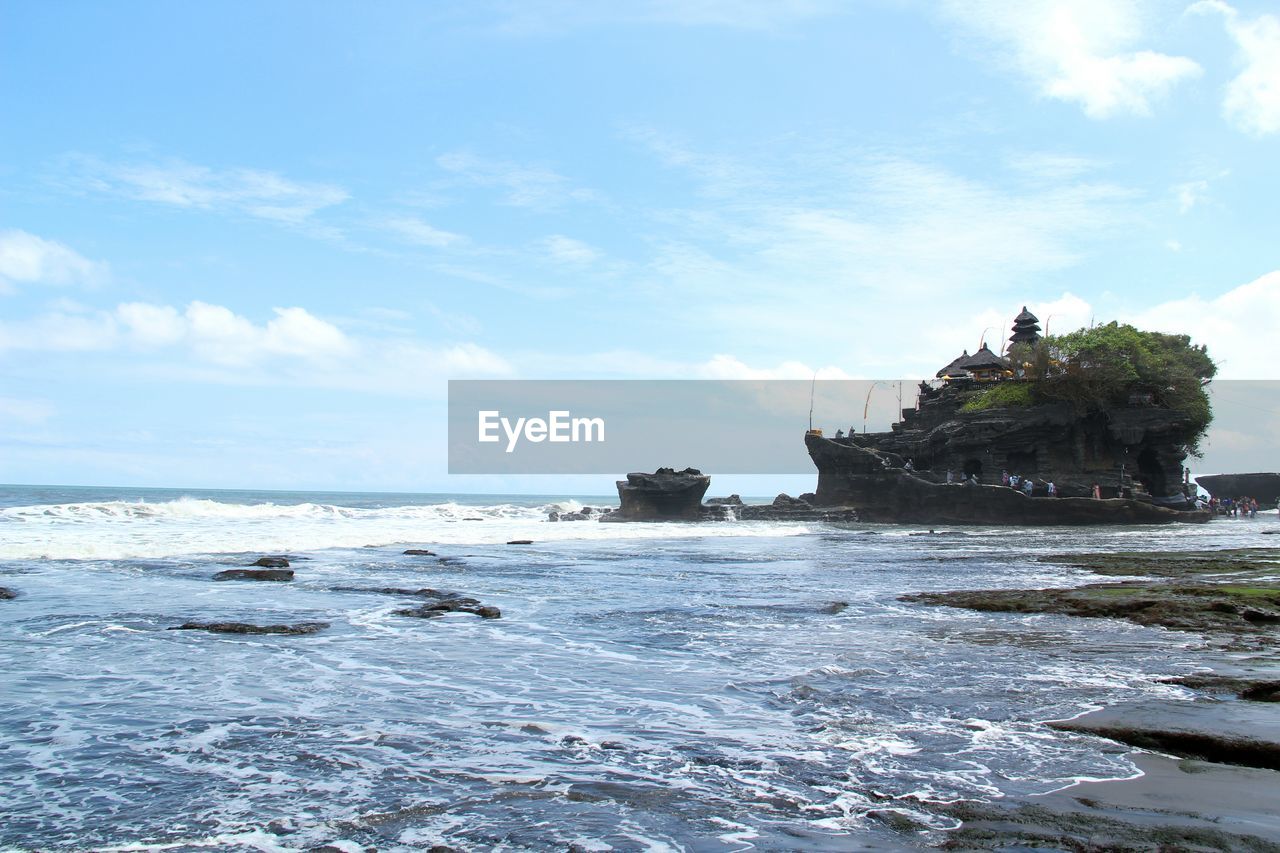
point(1139, 448)
point(856, 477)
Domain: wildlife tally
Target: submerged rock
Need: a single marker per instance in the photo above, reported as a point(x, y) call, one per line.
point(255, 575)
point(454, 605)
point(419, 552)
point(520, 542)
point(273, 562)
point(247, 628)
point(6, 593)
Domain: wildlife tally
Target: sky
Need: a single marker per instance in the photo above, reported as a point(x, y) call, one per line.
point(245, 244)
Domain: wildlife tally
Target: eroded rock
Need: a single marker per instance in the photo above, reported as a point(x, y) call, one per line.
point(298, 628)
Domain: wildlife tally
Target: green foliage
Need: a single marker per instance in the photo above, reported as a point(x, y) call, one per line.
point(1104, 365)
point(1002, 395)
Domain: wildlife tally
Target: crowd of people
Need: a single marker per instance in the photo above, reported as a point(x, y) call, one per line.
point(1241, 507)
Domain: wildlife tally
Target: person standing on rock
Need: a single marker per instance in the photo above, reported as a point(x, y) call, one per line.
point(1051, 489)
point(1004, 478)
point(1097, 492)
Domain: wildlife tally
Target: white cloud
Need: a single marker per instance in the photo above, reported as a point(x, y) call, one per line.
point(1190, 194)
point(24, 411)
point(255, 192)
point(28, 259)
point(570, 251)
point(1252, 100)
point(525, 186)
point(417, 231)
point(728, 367)
point(207, 342)
point(1078, 51)
point(535, 17)
point(1230, 325)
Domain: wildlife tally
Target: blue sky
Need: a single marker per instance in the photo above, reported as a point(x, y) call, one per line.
point(246, 244)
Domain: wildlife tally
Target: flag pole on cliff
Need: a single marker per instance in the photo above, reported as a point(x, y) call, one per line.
point(812, 387)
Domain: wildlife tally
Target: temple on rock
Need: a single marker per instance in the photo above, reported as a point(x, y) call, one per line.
point(982, 420)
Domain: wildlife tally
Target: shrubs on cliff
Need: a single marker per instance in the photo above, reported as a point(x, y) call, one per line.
point(1002, 395)
point(1107, 366)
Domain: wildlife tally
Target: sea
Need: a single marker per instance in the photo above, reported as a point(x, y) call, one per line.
point(719, 686)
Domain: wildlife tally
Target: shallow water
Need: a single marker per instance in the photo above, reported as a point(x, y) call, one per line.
point(650, 686)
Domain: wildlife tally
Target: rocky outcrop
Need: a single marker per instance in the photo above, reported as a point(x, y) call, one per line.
point(298, 628)
point(274, 562)
point(1264, 488)
point(6, 593)
point(1133, 450)
point(419, 552)
point(664, 495)
point(255, 575)
point(867, 480)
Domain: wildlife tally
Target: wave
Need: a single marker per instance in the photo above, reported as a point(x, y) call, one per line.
point(120, 529)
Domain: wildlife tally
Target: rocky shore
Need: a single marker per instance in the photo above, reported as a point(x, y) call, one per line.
point(1215, 781)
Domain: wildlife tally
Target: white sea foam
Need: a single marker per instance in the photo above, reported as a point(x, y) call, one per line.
point(144, 529)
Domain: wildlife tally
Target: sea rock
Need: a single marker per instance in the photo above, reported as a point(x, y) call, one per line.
point(664, 495)
point(732, 500)
point(834, 608)
point(520, 542)
point(785, 501)
point(273, 562)
point(1264, 488)
point(460, 605)
point(6, 593)
point(298, 628)
point(255, 575)
point(419, 552)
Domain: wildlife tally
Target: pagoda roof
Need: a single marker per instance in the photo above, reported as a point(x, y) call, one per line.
point(1026, 317)
point(954, 368)
point(984, 359)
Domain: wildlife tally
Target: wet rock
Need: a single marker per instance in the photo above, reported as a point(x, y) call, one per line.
point(6, 593)
point(255, 575)
point(423, 592)
point(273, 562)
point(834, 607)
point(419, 552)
point(520, 542)
point(298, 628)
point(1173, 805)
point(1240, 733)
point(458, 605)
point(732, 500)
point(785, 501)
point(1206, 608)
